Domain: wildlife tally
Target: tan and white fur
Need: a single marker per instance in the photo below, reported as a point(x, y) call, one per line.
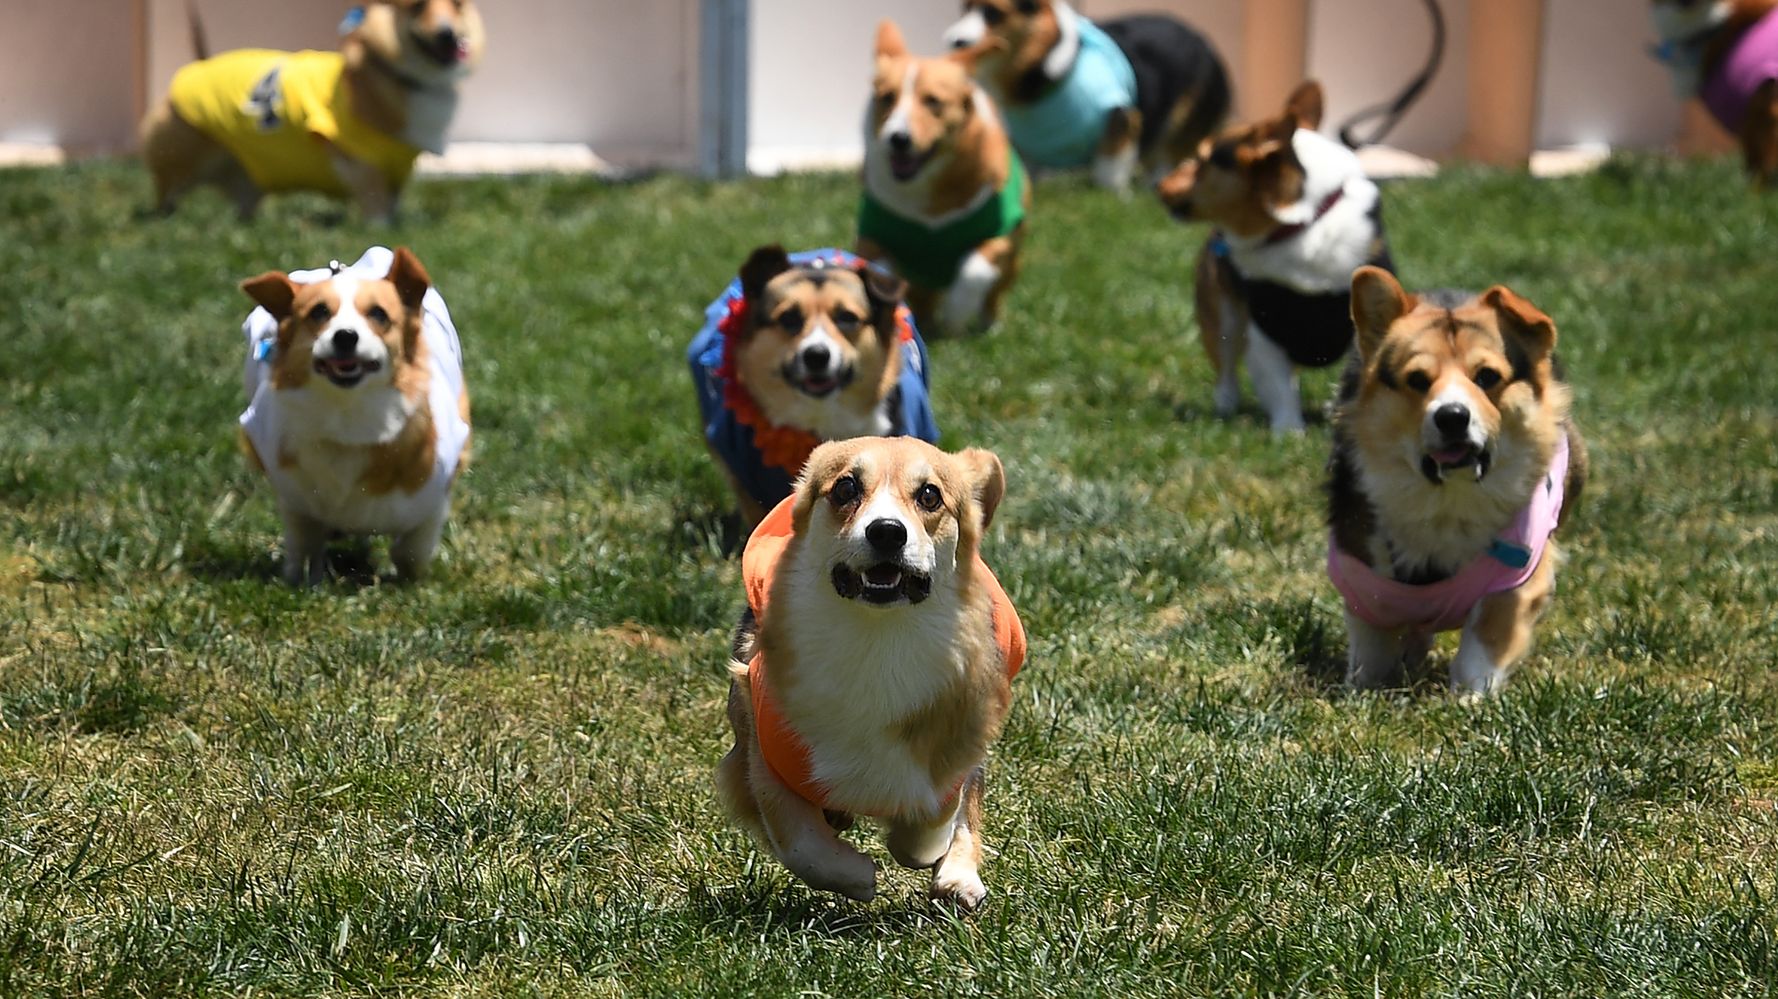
point(929, 113)
point(403, 64)
point(356, 417)
point(1250, 180)
point(890, 695)
point(1449, 416)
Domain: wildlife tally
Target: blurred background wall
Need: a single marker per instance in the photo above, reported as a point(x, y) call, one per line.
point(620, 78)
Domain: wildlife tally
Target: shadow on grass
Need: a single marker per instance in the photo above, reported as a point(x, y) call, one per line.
point(349, 560)
point(761, 904)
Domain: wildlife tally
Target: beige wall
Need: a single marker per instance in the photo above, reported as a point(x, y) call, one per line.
point(68, 72)
point(621, 75)
point(810, 74)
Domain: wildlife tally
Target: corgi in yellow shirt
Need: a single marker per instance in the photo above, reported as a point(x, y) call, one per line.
point(348, 124)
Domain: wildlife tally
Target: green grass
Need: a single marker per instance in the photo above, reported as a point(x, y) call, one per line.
point(498, 782)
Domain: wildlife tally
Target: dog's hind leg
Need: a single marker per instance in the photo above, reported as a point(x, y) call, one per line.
point(305, 550)
point(1274, 381)
point(1222, 327)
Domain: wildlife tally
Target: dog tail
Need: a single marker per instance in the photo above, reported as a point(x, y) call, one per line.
point(200, 46)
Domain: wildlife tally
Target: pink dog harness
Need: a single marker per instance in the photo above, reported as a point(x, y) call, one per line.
point(1746, 68)
point(1510, 560)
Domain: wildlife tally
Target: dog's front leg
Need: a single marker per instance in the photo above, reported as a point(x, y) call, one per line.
point(305, 549)
point(1374, 657)
point(1274, 381)
point(952, 847)
point(1114, 162)
point(412, 551)
point(1759, 136)
point(964, 306)
point(373, 192)
point(1499, 631)
point(801, 838)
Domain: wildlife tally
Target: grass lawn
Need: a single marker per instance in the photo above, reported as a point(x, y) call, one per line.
point(498, 782)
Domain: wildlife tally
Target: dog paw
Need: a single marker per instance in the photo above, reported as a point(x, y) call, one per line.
point(962, 888)
point(842, 870)
point(1227, 400)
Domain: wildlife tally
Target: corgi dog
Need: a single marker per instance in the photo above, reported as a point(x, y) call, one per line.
point(357, 411)
point(945, 195)
point(1454, 460)
point(872, 667)
point(803, 348)
point(1725, 53)
point(1122, 94)
point(348, 123)
point(1295, 215)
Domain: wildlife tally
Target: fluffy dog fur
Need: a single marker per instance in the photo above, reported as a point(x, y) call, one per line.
point(402, 64)
point(1699, 36)
point(1026, 48)
point(1295, 216)
point(936, 153)
point(1449, 418)
point(353, 416)
point(883, 659)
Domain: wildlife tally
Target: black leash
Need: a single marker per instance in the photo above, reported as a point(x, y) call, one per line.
point(1392, 113)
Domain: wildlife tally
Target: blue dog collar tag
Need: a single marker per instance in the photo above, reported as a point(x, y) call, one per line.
point(352, 20)
point(1508, 554)
point(262, 351)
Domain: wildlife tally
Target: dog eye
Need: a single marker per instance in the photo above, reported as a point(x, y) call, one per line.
point(934, 105)
point(376, 315)
point(1027, 7)
point(1222, 157)
point(1487, 378)
point(992, 16)
point(791, 319)
point(845, 491)
point(846, 321)
point(885, 98)
point(1418, 381)
point(320, 314)
point(929, 498)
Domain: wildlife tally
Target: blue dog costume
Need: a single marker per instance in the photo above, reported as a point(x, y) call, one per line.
point(1062, 129)
point(731, 434)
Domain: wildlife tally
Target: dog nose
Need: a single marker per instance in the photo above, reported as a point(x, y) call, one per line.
point(345, 342)
point(446, 38)
point(886, 535)
point(901, 142)
point(816, 357)
point(1451, 419)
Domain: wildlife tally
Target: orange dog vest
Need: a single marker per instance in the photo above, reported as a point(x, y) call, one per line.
point(779, 745)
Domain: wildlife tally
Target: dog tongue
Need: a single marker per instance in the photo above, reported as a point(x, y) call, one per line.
point(883, 575)
point(1450, 455)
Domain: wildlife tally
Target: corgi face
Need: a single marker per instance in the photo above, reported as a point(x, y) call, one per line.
point(427, 39)
point(345, 333)
point(1241, 177)
point(918, 109)
point(999, 28)
point(1444, 389)
point(892, 518)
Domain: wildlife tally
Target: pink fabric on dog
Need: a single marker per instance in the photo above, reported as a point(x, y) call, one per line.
point(1445, 606)
point(1752, 62)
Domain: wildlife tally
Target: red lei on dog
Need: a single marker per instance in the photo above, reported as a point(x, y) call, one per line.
point(781, 447)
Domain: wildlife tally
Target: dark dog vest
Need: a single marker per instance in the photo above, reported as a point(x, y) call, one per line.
point(1314, 328)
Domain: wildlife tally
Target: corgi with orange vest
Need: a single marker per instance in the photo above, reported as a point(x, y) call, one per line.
point(873, 666)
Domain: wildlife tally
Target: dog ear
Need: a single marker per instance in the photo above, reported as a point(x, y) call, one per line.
point(885, 292)
point(1523, 324)
point(1377, 302)
point(409, 278)
point(988, 478)
point(1306, 104)
point(764, 264)
point(890, 43)
point(819, 473)
point(274, 290)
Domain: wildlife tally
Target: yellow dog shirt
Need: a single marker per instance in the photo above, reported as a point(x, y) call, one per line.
point(279, 112)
